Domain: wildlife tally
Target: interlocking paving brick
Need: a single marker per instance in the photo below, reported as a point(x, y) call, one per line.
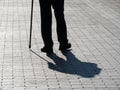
point(92, 64)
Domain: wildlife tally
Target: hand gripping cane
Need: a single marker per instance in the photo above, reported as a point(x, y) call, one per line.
point(31, 24)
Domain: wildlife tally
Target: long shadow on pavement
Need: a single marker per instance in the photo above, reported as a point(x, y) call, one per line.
point(73, 65)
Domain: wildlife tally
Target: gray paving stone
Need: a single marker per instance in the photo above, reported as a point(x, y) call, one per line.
point(60, 88)
point(18, 88)
point(92, 64)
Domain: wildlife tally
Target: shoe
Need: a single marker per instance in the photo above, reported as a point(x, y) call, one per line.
point(65, 47)
point(47, 50)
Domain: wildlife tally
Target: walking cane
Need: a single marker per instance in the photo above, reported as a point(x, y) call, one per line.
point(31, 24)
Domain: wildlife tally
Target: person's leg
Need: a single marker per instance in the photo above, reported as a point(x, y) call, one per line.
point(58, 6)
point(46, 21)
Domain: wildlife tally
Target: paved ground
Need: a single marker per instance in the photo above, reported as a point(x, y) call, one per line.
point(92, 64)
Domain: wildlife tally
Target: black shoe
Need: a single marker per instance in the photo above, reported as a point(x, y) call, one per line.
point(65, 47)
point(47, 50)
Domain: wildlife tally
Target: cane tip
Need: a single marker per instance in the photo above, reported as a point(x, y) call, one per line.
point(29, 47)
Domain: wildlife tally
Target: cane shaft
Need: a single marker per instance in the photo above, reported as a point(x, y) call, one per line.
point(31, 19)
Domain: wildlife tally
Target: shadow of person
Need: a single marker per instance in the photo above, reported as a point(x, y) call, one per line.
point(73, 65)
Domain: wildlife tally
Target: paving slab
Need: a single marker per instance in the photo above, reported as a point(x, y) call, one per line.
point(92, 64)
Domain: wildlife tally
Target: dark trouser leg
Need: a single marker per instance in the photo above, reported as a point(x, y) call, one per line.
point(46, 21)
point(58, 6)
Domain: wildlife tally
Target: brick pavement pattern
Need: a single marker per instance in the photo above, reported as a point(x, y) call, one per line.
point(92, 64)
